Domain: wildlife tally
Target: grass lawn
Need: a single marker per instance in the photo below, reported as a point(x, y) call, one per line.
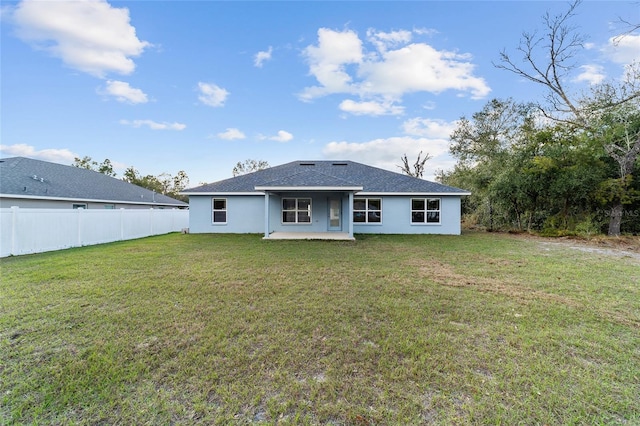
point(183, 329)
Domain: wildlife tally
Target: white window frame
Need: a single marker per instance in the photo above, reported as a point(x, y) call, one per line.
point(425, 211)
point(367, 210)
point(296, 210)
point(214, 210)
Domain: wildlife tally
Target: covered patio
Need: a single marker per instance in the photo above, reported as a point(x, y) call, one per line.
point(309, 206)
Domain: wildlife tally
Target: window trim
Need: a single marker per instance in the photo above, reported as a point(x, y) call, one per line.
point(425, 211)
point(366, 211)
point(214, 210)
point(296, 210)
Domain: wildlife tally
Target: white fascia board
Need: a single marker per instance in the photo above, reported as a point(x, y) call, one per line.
point(89, 200)
point(221, 194)
point(308, 188)
point(430, 194)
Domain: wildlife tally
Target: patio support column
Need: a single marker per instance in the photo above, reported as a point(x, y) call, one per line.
point(266, 214)
point(350, 214)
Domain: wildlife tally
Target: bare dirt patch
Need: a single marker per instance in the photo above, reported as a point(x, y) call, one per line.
point(623, 247)
point(444, 274)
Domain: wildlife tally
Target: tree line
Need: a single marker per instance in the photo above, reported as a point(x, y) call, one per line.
point(163, 183)
point(566, 165)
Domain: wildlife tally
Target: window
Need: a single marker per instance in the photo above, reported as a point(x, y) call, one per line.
point(110, 206)
point(296, 210)
point(80, 206)
point(367, 210)
point(219, 210)
point(425, 210)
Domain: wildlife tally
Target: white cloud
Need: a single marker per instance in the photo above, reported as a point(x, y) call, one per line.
point(383, 40)
point(340, 65)
point(123, 92)
point(282, 136)
point(212, 95)
point(430, 128)
point(88, 35)
point(262, 56)
point(592, 74)
point(419, 67)
point(425, 31)
point(231, 134)
point(386, 153)
point(328, 60)
point(623, 49)
point(62, 156)
point(153, 125)
point(370, 108)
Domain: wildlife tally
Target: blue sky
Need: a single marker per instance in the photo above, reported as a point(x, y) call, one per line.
point(198, 86)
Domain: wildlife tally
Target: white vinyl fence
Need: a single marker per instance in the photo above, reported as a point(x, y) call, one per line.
point(24, 231)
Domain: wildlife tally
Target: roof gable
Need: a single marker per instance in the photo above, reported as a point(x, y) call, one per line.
point(29, 178)
point(327, 174)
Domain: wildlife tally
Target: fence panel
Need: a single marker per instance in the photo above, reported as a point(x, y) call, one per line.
point(24, 231)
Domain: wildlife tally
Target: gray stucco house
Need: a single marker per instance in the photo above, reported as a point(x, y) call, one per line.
point(29, 183)
point(324, 199)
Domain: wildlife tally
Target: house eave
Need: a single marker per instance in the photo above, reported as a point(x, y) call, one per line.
point(260, 190)
point(406, 194)
point(309, 188)
point(222, 193)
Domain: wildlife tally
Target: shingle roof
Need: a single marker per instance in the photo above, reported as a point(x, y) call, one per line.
point(336, 174)
point(26, 177)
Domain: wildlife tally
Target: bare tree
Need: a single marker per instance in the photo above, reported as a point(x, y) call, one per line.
point(631, 27)
point(547, 59)
point(418, 167)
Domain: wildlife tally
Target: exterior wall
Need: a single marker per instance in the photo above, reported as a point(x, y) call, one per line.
point(67, 204)
point(319, 212)
point(245, 214)
point(396, 217)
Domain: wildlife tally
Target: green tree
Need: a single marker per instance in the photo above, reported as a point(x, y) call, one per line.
point(620, 131)
point(548, 60)
point(249, 166)
point(484, 147)
point(524, 176)
point(162, 184)
point(88, 163)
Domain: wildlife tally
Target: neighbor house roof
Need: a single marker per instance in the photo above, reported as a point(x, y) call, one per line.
point(22, 177)
point(330, 175)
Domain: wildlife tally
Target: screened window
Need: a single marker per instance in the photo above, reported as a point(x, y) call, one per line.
point(425, 210)
point(367, 210)
point(296, 210)
point(219, 210)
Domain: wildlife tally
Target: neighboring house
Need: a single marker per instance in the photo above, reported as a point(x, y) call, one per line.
point(324, 199)
point(29, 183)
